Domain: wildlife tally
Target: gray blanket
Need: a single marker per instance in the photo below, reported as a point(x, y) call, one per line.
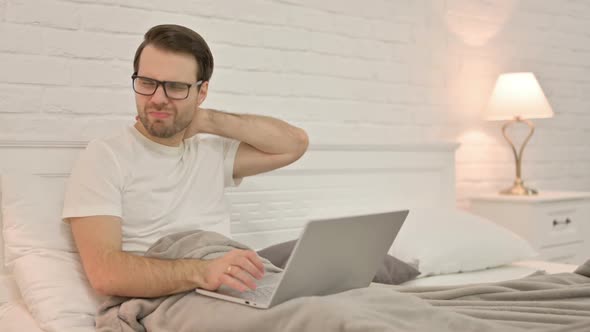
point(551, 302)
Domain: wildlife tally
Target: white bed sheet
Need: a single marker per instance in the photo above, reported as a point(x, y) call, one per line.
point(512, 271)
point(549, 267)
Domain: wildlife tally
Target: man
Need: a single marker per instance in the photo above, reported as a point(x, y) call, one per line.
point(158, 177)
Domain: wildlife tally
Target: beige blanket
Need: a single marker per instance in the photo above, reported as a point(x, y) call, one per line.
point(547, 303)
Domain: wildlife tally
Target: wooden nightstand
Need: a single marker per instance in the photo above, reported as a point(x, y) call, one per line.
point(556, 224)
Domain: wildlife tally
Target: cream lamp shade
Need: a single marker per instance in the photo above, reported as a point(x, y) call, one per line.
point(518, 95)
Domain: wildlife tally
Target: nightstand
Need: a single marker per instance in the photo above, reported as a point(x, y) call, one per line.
point(556, 224)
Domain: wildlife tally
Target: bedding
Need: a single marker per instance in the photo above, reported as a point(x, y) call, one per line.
point(537, 302)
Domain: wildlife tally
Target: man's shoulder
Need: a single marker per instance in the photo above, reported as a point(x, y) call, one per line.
point(208, 138)
point(214, 141)
point(116, 142)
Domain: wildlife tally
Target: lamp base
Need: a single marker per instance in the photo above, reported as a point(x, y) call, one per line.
point(519, 189)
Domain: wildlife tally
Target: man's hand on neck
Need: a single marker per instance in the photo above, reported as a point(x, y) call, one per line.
point(201, 124)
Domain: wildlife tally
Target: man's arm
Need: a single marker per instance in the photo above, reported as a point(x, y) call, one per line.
point(114, 272)
point(266, 143)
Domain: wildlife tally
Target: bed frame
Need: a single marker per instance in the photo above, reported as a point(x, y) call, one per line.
point(328, 181)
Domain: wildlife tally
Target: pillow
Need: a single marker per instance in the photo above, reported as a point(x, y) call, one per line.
point(447, 240)
point(392, 271)
point(4, 273)
point(3, 270)
point(40, 252)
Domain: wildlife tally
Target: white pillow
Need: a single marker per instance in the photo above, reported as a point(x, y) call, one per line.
point(40, 252)
point(31, 211)
point(446, 240)
point(3, 270)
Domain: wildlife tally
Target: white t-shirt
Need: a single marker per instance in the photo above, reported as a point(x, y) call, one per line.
point(155, 189)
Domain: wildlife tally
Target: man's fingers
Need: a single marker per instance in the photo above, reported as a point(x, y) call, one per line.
point(232, 282)
point(247, 265)
point(242, 269)
point(243, 276)
point(253, 257)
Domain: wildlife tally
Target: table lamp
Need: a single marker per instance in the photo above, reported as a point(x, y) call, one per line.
point(518, 97)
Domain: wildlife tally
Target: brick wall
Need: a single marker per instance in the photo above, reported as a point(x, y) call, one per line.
point(369, 72)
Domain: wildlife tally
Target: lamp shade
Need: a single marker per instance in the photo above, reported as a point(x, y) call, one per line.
point(517, 95)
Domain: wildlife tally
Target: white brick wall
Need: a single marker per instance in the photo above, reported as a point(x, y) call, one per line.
point(370, 72)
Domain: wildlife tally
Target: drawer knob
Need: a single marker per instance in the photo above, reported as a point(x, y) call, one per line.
point(567, 221)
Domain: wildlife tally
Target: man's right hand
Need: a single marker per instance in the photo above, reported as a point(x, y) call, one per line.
point(237, 269)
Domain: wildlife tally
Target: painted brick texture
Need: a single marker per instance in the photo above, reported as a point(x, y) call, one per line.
point(366, 72)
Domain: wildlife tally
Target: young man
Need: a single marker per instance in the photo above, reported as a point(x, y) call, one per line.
point(158, 177)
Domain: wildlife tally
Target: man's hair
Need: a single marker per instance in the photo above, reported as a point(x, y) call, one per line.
point(176, 38)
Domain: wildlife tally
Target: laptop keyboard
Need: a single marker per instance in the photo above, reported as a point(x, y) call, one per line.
point(264, 288)
point(261, 294)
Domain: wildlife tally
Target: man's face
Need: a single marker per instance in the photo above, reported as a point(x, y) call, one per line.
point(161, 116)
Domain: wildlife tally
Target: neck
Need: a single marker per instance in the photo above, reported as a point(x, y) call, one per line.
point(173, 141)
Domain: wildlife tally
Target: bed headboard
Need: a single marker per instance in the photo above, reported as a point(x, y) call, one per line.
point(329, 180)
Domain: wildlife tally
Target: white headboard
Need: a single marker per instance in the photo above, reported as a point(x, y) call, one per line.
point(329, 180)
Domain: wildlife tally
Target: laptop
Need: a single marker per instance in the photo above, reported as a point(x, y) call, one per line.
point(331, 256)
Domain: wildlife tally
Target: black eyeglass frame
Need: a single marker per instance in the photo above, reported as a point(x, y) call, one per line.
point(163, 84)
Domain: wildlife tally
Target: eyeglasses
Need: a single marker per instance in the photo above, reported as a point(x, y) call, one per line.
point(174, 90)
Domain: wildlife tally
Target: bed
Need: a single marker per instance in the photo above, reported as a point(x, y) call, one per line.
point(330, 180)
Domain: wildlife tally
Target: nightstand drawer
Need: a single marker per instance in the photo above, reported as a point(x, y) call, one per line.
point(570, 253)
point(556, 224)
point(561, 224)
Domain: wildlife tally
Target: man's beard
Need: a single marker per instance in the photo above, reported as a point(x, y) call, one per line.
point(159, 128)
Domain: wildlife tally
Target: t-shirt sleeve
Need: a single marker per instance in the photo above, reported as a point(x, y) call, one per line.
point(230, 148)
point(95, 184)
